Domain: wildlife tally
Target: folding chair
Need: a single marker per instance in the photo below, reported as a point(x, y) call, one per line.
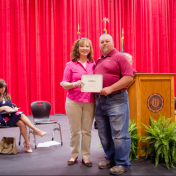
point(41, 111)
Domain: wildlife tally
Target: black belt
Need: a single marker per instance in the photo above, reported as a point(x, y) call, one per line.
point(110, 95)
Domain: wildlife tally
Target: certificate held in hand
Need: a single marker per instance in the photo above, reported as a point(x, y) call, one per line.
point(92, 83)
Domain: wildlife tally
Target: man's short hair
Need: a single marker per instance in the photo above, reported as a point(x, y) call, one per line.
point(106, 34)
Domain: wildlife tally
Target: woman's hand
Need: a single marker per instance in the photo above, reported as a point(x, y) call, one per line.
point(6, 108)
point(68, 85)
point(16, 109)
point(78, 84)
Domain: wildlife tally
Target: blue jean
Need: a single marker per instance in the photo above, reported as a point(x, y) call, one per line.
point(112, 117)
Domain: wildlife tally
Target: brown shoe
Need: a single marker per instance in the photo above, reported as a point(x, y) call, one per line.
point(117, 170)
point(88, 164)
point(105, 164)
point(70, 163)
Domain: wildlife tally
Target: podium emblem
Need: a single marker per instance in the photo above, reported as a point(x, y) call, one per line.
point(155, 102)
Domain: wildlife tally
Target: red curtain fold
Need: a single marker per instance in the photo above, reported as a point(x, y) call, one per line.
point(14, 50)
point(37, 36)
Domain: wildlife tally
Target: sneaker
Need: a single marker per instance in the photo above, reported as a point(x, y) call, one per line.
point(118, 170)
point(105, 164)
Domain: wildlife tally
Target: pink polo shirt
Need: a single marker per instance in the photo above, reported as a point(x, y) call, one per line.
point(113, 67)
point(72, 73)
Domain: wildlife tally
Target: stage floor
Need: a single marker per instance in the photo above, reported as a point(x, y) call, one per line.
point(53, 160)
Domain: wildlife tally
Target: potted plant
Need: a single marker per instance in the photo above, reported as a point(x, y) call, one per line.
point(161, 141)
point(134, 139)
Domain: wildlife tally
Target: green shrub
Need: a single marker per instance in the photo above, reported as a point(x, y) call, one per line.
point(134, 139)
point(161, 141)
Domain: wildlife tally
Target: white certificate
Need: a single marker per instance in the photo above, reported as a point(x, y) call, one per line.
point(92, 83)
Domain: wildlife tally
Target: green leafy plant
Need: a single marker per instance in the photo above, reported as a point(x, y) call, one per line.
point(161, 141)
point(134, 139)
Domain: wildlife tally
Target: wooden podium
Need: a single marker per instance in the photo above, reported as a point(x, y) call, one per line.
point(151, 94)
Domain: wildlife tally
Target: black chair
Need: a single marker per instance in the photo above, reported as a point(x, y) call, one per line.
point(5, 126)
point(41, 111)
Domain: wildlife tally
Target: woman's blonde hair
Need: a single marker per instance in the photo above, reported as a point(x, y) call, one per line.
point(129, 57)
point(5, 95)
point(75, 50)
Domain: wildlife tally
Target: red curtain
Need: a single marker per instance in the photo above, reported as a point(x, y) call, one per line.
point(37, 36)
point(14, 50)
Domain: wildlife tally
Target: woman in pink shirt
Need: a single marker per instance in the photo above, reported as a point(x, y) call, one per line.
point(79, 105)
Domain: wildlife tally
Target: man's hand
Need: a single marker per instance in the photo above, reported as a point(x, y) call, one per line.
point(106, 91)
point(123, 82)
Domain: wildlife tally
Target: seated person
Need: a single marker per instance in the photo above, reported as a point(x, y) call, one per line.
point(16, 117)
point(130, 60)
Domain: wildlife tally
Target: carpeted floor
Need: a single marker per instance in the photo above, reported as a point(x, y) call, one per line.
point(53, 160)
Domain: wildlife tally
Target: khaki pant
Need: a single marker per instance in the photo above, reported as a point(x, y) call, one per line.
point(80, 117)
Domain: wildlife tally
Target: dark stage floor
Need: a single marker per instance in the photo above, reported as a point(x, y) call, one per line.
point(53, 160)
